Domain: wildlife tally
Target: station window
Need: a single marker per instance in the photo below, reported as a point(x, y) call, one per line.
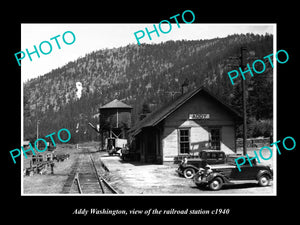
point(184, 141)
point(215, 138)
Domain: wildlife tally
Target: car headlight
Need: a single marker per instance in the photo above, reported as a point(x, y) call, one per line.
point(208, 171)
point(201, 171)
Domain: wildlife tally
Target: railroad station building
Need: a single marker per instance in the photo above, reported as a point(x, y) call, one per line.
point(195, 121)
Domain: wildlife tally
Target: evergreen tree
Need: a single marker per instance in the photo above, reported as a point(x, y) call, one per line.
point(145, 111)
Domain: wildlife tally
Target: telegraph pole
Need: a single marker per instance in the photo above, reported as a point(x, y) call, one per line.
point(242, 66)
point(37, 132)
point(37, 123)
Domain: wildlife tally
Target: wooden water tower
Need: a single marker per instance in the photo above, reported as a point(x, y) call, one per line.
point(115, 119)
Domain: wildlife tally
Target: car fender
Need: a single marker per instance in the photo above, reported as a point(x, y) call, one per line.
point(190, 166)
point(264, 172)
point(211, 176)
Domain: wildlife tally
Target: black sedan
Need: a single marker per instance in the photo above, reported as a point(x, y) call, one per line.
point(189, 166)
point(215, 176)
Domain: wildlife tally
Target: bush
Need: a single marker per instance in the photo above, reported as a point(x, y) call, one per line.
point(258, 128)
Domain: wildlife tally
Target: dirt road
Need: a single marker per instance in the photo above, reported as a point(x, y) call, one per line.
point(132, 178)
point(136, 178)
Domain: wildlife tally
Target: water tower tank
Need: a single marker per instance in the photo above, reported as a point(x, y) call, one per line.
point(115, 115)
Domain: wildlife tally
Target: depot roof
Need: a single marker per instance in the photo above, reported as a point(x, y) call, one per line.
point(162, 113)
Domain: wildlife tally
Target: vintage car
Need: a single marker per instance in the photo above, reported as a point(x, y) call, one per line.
point(190, 166)
point(214, 176)
point(115, 145)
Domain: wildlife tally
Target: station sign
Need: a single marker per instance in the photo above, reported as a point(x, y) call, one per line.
point(199, 116)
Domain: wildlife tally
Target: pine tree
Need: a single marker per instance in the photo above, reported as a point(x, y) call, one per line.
point(145, 111)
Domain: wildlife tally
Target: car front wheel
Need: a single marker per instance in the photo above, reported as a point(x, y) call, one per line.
point(264, 181)
point(216, 184)
point(189, 173)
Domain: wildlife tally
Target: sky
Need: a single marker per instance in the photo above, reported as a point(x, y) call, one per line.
point(93, 37)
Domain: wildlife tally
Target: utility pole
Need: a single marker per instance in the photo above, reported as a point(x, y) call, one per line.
point(241, 60)
point(242, 66)
point(37, 123)
point(37, 132)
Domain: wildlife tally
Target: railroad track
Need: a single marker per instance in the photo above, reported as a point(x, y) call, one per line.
point(86, 179)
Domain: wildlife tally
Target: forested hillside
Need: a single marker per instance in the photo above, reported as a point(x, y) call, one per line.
point(146, 74)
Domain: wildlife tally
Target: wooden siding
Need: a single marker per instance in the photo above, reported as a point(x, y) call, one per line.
point(199, 129)
point(200, 103)
point(169, 143)
point(199, 137)
point(228, 139)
